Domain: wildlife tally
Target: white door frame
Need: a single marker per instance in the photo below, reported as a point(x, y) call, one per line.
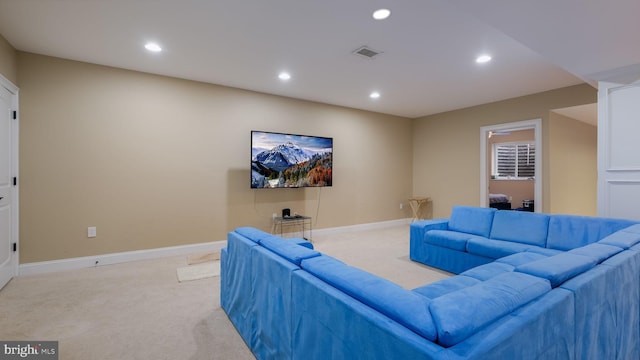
point(13, 89)
point(618, 165)
point(536, 125)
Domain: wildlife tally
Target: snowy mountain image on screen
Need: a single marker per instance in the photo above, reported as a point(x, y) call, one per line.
point(282, 157)
point(281, 160)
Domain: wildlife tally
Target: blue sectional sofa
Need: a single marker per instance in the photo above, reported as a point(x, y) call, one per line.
point(474, 236)
point(289, 301)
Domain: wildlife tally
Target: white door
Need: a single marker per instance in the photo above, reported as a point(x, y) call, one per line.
point(618, 149)
point(8, 213)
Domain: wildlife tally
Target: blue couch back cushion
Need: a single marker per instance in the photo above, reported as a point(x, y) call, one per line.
point(568, 232)
point(252, 234)
point(462, 313)
point(407, 308)
point(302, 242)
point(449, 239)
point(558, 268)
point(520, 226)
point(471, 220)
point(289, 250)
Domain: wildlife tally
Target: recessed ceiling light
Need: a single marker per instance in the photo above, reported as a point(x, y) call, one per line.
point(483, 59)
point(284, 76)
point(153, 47)
point(374, 95)
point(381, 14)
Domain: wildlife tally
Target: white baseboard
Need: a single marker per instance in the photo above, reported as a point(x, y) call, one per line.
point(368, 226)
point(117, 258)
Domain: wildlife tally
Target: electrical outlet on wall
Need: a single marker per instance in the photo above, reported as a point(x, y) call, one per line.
point(91, 231)
point(401, 206)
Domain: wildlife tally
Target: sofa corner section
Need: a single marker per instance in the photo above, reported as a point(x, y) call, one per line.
point(542, 329)
point(329, 324)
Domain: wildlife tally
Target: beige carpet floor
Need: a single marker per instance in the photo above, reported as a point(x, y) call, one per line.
point(138, 310)
point(198, 271)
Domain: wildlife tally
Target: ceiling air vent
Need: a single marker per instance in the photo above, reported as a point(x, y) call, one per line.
point(367, 52)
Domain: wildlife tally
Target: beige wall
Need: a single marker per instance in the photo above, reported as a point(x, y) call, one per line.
point(573, 166)
point(8, 61)
point(446, 146)
point(153, 161)
point(518, 190)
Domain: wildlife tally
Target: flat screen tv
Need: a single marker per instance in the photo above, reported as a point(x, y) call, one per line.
point(290, 161)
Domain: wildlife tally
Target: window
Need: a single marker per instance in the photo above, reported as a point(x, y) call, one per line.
point(515, 161)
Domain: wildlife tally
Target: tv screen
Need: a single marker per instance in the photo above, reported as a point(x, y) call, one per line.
point(290, 161)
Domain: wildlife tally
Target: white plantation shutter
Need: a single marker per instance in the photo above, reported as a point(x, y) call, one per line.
point(514, 160)
point(526, 160)
point(506, 160)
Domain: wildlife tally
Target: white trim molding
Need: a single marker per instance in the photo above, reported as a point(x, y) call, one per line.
point(43, 267)
point(367, 226)
point(117, 258)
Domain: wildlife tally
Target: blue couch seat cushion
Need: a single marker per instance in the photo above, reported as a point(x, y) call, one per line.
point(633, 229)
point(487, 271)
point(402, 305)
point(521, 258)
point(471, 220)
point(462, 313)
point(544, 251)
point(288, 249)
point(520, 226)
point(449, 239)
point(559, 268)
point(597, 251)
point(494, 249)
point(623, 239)
point(445, 286)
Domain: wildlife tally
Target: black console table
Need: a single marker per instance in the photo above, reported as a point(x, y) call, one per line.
point(293, 225)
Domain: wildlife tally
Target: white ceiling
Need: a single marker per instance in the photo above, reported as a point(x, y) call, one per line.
point(428, 46)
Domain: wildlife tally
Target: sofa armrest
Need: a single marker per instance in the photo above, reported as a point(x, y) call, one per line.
point(419, 228)
point(417, 232)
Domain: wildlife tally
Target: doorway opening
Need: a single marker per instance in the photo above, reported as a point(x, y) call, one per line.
point(486, 132)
